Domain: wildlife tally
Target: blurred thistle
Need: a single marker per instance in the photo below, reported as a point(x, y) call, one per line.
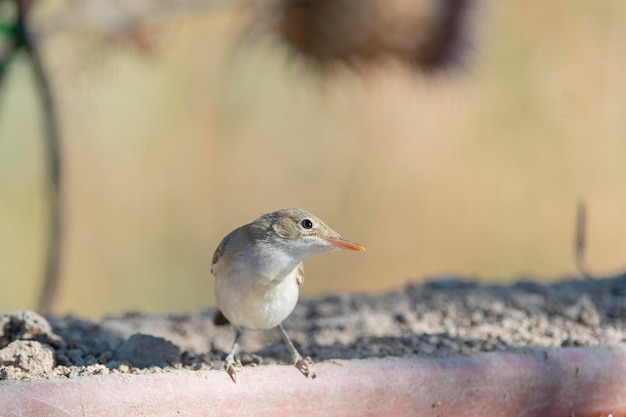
point(425, 35)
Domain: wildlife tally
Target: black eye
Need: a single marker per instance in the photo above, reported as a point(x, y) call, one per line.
point(306, 223)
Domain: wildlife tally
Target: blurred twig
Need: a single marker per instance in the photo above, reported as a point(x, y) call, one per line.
point(51, 138)
point(581, 239)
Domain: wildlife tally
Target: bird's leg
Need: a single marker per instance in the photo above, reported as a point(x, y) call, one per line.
point(304, 365)
point(232, 366)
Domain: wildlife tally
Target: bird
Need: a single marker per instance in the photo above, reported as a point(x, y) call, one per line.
point(258, 270)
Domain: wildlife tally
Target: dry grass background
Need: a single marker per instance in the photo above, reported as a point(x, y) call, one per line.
point(475, 172)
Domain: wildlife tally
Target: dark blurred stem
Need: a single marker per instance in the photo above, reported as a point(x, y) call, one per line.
point(51, 136)
point(581, 239)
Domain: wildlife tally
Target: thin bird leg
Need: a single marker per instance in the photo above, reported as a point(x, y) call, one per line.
point(232, 366)
point(304, 365)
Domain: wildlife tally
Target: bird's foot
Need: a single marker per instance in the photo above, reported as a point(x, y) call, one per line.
point(232, 367)
point(306, 366)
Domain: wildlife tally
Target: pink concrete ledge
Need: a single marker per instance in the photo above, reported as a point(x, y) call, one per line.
point(565, 382)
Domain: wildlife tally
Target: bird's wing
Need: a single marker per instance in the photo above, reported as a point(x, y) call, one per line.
point(218, 254)
point(300, 274)
point(219, 319)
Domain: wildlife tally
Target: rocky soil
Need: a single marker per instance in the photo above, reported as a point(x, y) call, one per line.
point(436, 319)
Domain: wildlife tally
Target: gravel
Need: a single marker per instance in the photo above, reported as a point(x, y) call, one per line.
point(443, 318)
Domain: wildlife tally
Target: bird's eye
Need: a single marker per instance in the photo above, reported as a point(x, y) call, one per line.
point(306, 223)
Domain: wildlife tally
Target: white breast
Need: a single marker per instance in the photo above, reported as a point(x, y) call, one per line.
point(256, 303)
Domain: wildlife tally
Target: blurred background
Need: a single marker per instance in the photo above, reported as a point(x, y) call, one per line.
point(178, 132)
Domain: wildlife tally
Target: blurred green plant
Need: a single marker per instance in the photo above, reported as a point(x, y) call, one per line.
point(15, 27)
point(9, 39)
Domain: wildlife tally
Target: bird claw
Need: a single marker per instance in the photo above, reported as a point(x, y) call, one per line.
point(306, 366)
point(232, 367)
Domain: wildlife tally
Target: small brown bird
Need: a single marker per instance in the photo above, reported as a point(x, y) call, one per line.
point(258, 273)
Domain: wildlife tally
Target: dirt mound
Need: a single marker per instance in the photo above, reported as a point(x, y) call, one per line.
point(437, 319)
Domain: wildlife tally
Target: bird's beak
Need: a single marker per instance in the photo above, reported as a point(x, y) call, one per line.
point(344, 244)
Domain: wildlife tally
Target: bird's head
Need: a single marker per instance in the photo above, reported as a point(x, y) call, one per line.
point(302, 234)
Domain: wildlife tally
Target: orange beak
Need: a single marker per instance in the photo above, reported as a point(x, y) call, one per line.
point(344, 244)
